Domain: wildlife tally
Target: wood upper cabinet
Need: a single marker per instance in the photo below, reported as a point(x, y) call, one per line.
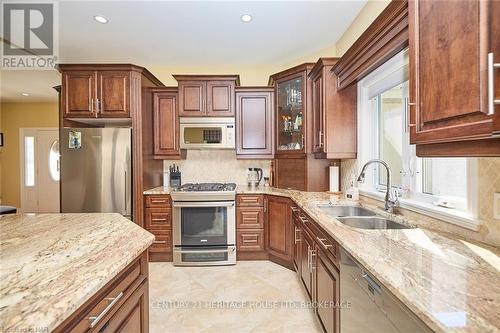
point(333, 114)
point(207, 95)
point(192, 98)
point(279, 228)
point(165, 123)
point(293, 128)
point(326, 290)
point(78, 93)
point(449, 46)
point(113, 94)
point(254, 122)
point(220, 98)
point(103, 90)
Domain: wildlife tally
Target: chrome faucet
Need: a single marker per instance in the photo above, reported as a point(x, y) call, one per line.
point(391, 200)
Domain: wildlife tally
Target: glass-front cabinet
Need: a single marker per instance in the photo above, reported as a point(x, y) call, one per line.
point(291, 102)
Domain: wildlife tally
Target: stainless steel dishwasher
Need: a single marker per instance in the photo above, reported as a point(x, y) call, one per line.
point(368, 307)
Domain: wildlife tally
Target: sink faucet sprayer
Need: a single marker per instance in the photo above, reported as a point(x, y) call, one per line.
point(391, 200)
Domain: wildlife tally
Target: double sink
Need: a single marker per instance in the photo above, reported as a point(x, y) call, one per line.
point(359, 217)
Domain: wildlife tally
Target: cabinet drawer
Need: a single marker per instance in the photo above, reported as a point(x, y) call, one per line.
point(162, 242)
point(250, 217)
point(250, 240)
point(106, 304)
point(158, 201)
point(158, 218)
point(250, 200)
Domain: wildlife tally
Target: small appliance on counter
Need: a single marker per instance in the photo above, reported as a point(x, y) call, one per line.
point(175, 176)
point(254, 176)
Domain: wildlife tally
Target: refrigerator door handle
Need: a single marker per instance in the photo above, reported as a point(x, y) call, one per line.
point(125, 191)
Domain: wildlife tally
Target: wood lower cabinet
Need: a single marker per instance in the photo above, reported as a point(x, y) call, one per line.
point(158, 221)
point(279, 230)
point(254, 122)
point(326, 291)
point(316, 262)
point(207, 95)
point(120, 306)
point(250, 227)
point(166, 124)
point(449, 101)
point(297, 243)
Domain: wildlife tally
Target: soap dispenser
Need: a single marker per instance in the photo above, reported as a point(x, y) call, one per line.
point(352, 192)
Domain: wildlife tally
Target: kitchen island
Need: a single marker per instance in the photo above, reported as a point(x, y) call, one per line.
point(72, 272)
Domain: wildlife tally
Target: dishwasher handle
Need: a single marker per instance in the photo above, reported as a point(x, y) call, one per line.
point(372, 285)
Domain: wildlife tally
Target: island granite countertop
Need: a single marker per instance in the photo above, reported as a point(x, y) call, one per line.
point(51, 264)
point(451, 284)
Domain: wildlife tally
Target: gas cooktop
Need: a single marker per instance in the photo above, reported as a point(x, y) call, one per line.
point(207, 187)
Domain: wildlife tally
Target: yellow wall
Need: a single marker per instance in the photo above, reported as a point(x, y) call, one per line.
point(365, 17)
point(13, 117)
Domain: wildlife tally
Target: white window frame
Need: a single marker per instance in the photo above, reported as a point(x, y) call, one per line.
point(393, 72)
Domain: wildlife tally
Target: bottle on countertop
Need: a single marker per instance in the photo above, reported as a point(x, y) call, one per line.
point(352, 192)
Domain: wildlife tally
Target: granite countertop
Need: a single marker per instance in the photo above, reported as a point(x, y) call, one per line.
point(451, 284)
point(51, 264)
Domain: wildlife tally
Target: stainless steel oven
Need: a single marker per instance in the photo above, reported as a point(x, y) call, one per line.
point(204, 228)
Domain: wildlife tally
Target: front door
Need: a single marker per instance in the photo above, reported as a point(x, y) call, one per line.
point(39, 151)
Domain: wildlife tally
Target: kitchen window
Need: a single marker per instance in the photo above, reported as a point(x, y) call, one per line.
point(445, 188)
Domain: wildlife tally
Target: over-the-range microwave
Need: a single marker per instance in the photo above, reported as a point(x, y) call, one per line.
point(207, 133)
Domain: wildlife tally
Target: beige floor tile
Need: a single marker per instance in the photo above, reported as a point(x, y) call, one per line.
point(252, 296)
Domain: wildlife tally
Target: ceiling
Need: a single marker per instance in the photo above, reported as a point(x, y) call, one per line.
point(187, 33)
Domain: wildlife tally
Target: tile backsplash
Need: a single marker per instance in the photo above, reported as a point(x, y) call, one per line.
point(201, 166)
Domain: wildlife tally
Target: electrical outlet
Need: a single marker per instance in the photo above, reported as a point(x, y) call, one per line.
point(496, 206)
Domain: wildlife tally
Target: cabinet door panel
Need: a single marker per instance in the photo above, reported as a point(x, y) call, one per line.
point(192, 98)
point(78, 93)
point(133, 315)
point(448, 71)
point(279, 224)
point(254, 124)
point(114, 93)
point(220, 98)
point(291, 173)
point(166, 126)
point(297, 248)
point(306, 246)
point(327, 292)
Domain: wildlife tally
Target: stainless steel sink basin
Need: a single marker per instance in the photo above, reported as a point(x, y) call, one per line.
point(342, 211)
point(372, 223)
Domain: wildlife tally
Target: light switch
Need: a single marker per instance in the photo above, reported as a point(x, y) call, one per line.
point(496, 206)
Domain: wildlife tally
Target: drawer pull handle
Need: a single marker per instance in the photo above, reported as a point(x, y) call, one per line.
point(296, 240)
point(160, 242)
point(323, 244)
point(294, 209)
point(158, 201)
point(158, 219)
point(303, 219)
point(113, 301)
point(249, 241)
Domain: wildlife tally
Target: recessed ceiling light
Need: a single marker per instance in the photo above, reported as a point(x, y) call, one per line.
point(25, 94)
point(101, 19)
point(246, 18)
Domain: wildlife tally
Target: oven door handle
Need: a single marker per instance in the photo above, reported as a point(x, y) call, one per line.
point(203, 204)
point(229, 249)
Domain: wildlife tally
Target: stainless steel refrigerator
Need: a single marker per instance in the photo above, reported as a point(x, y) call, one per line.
point(96, 173)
